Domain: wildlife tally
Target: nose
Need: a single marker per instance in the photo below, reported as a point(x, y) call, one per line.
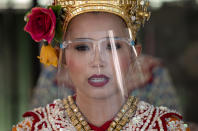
point(97, 59)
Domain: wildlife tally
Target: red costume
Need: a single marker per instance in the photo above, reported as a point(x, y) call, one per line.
point(147, 117)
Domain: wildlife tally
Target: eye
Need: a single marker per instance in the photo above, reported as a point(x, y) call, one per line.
point(117, 45)
point(82, 47)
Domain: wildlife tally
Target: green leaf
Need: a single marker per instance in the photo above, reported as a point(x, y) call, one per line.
point(45, 43)
point(53, 43)
point(58, 31)
point(56, 9)
point(25, 17)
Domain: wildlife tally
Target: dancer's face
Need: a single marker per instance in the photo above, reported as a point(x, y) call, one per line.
point(91, 63)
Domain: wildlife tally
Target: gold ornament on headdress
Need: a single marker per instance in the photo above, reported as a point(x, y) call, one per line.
point(134, 12)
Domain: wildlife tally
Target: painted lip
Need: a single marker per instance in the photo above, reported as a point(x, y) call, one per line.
point(98, 80)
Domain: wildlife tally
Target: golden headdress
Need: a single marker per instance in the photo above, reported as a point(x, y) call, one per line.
point(134, 12)
point(58, 16)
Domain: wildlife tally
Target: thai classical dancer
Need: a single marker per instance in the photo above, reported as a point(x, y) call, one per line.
point(92, 43)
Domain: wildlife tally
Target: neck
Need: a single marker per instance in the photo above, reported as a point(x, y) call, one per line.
point(98, 111)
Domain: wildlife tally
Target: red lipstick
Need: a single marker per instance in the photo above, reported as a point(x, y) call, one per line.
point(98, 80)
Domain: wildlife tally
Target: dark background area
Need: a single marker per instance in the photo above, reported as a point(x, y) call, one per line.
point(171, 35)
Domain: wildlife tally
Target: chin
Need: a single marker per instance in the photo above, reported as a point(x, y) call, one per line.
point(102, 93)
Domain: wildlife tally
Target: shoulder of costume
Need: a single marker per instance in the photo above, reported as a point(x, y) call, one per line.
point(148, 117)
point(50, 117)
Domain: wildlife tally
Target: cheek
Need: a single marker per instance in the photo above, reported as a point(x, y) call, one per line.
point(125, 61)
point(72, 64)
point(124, 64)
point(75, 70)
point(75, 66)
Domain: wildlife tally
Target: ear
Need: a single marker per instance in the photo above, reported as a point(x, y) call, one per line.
point(138, 48)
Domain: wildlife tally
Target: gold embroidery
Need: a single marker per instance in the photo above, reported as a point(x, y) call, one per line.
point(118, 123)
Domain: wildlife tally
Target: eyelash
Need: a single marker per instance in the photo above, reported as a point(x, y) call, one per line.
point(81, 47)
point(86, 48)
point(118, 46)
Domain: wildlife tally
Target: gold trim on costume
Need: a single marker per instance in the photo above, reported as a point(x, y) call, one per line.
point(121, 119)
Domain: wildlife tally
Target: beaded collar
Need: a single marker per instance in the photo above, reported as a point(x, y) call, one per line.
point(121, 119)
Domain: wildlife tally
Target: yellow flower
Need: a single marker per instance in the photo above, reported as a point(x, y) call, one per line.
point(48, 56)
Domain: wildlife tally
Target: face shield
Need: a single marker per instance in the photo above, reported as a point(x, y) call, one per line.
point(101, 67)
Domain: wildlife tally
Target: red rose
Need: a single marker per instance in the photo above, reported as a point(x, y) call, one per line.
point(41, 24)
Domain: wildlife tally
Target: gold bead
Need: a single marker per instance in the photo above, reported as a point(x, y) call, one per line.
point(117, 119)
point(70, 114)
point(147, 3)
point(131, 98)
point(110, 129)
point(87, 128)
point(128, 103)
point(70, 98)
point(81, 118)
point(64, 9)
point(135, 101)
point(71, 101)
point(68, 110)
point(125, 107)
point(118, 128)
point(119, 114)
point(131, 111)
point(73, 118)
point(78, 127)
point(66, 106)
point(84, 123)
point(65, 101)
point(73, 106)
point(140, 13)
point(123, 122)
point(113, 124)
point(78, 114)
point(75, 122)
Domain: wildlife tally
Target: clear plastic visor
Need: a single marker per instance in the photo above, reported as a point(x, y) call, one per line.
point(103, 49)
point(106, 60)
point(100, 68)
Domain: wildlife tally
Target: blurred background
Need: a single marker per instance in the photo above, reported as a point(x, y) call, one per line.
point(171, 35)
